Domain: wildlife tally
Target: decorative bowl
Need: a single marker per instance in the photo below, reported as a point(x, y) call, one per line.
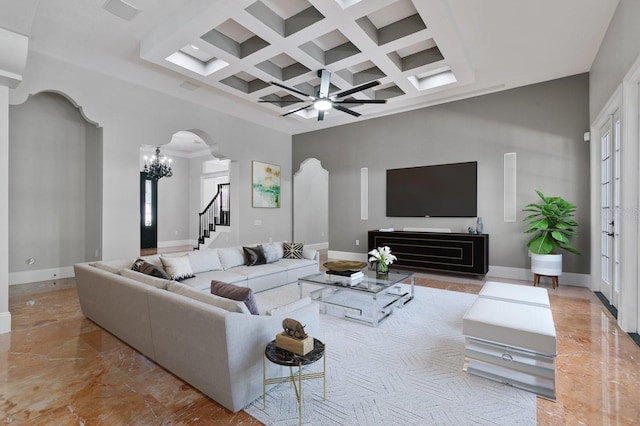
point(344, 265)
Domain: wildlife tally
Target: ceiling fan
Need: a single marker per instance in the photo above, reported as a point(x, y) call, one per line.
point(322, 101)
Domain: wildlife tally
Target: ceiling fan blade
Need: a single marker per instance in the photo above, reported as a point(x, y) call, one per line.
point(325, 78)
point(348, 111)
point(297, 109)
point(357, 89)
point(361, 101)
point(291, 89)
point(320, 115)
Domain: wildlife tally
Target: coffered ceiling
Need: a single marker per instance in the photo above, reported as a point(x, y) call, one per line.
point(224, 54)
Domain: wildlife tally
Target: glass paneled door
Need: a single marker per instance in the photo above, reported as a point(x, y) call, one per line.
point(610, 209)
point(148, 212)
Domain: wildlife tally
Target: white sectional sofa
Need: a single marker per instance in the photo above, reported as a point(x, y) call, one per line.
point(212, 343)
point(511, 337)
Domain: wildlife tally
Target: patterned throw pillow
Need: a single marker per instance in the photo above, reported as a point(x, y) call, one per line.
point(254, 256)
point(178, 268)
point(141, 265)
point(234, 292)
point(292, 250)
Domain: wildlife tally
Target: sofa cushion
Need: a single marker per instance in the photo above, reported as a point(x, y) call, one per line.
point(290, 307)
point(234, 292)
point(145, 279)
point(141, 265)
point(230, 257)
point(254, 256)
point(178, 268)
point(204, 260)
point(208, 298)
point(294, 263)
point(106, 267)
point(271, 252)
point(292, 250)
point(254, 272)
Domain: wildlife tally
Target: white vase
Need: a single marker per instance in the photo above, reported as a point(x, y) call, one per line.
point(549, 265)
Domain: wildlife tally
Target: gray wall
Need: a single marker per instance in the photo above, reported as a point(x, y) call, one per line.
point(618, 51)
point(174, 210)
point(54, 192)
point(542, 123)
point(131, 115)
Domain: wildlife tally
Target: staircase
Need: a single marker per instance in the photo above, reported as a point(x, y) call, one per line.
point(214, 215)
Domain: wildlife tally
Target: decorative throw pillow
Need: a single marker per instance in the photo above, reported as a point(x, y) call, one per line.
point(204, 260)
point(234, 292)
point(254, 256)
point(230, 257)
point(178, 268)
point(292, 250)
point(271, 253)
point(211, 299)
point(141, 265)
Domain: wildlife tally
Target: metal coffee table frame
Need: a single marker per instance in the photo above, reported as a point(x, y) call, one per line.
point(378, 293)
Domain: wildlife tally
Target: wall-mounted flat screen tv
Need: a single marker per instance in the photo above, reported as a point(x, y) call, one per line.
point(444, 190)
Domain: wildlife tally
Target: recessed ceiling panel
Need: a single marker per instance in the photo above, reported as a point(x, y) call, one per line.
point(329, 48)
point(244, 83)
point(282, 67)
point(416, 56)
point(285, 17)
point(235, 39)
point(392, 22)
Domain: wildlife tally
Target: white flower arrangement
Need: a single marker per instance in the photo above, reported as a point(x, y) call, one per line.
point(382, 255)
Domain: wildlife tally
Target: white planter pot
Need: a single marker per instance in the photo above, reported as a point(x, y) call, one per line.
point(549, 265)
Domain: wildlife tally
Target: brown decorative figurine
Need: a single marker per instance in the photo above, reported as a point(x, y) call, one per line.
point(293, 328)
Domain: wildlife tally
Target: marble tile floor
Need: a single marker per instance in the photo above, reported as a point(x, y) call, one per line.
point(59, 368)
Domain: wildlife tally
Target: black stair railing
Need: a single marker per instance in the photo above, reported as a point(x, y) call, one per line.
point(215, 214)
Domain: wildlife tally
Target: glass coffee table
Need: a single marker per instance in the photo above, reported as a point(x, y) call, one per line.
point(370, 300)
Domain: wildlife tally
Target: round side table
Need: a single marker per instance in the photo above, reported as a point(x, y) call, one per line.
point(289, 359)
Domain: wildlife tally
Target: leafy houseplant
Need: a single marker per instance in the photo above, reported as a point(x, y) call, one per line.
point(552, 225)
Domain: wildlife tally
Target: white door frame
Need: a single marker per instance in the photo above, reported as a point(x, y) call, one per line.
point(627, 99)
point(629, 309)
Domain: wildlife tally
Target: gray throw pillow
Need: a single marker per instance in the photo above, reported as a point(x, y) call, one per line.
point(234, 292)
point(271, 252)
point(254, 256)
point(141, 265)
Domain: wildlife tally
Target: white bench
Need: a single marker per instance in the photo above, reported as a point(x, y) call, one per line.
point(511, 337)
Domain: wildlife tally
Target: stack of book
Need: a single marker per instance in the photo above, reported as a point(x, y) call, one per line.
point(347, 277)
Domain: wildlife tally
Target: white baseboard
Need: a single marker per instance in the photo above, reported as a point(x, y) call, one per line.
point(177, 243)
point(318, 246)
point(5, 322)
point(504, 272)
point(40, 275)
point(348, 255)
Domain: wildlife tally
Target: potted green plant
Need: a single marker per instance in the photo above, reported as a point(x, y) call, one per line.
point(552, 225)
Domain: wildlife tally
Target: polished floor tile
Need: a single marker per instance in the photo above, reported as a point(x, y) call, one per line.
point(59, 368)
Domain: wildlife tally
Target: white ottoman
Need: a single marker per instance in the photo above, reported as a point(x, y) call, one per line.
point(512, 343)
point(515, 293)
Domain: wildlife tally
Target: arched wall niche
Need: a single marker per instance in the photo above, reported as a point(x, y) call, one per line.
point(55, 187)
point(311, 204)
point(180, 198)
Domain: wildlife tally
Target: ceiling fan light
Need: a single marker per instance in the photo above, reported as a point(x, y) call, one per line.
point(322, 104)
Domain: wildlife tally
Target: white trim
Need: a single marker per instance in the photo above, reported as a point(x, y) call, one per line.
point(505, 272)
point(177, 243)
point(5, 322)
point(40, 275)
point(522, 274)
point(318, 246)
point(629, 303)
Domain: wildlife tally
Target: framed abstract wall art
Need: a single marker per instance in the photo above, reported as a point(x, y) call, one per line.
point(265, 182)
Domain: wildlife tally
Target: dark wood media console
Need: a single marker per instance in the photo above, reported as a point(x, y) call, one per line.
point(460, 253)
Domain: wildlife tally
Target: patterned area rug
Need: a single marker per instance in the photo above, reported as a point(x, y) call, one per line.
point(407, 371)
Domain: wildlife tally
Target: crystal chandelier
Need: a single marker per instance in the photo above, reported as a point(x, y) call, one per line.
point(157, 167)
